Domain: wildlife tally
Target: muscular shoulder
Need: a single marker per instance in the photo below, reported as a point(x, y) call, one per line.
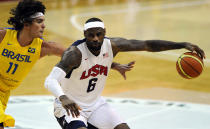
point(123, 45)
point(2, 34)
point(71, 59)
point(116, 44)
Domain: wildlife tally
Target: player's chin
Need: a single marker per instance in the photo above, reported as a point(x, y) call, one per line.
point(40, 35)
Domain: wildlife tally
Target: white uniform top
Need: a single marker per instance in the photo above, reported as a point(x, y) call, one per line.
point(87, 81)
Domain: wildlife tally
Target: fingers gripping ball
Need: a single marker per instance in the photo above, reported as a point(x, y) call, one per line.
point(189, 65)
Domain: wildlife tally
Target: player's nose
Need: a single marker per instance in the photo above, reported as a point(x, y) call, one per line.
point(95, 38)
point(43, 26)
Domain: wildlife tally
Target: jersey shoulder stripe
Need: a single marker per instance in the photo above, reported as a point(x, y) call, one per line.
point(78, 42)
point(9, 28)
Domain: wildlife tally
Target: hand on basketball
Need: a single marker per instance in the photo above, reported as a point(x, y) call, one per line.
point(122, 68)
point(70, 105)
point(195, 48)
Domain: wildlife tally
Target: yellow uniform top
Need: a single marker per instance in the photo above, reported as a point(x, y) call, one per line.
point(16, 61)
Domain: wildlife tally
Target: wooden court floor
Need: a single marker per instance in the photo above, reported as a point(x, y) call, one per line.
point(180, 20)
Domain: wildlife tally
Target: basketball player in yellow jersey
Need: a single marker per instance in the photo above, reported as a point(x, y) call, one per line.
point(22, 46)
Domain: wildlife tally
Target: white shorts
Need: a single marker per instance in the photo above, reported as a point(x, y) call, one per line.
point(100, 115)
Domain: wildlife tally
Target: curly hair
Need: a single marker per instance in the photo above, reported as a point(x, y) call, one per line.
point(22, 12)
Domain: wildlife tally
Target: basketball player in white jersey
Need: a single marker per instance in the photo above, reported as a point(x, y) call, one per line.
point(79, 78)
point(22, 46)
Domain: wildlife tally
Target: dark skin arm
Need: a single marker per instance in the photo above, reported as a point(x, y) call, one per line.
point(53, 48)
point(122, 68)
point(70, 60)
point(124, 45)
point(70, 105)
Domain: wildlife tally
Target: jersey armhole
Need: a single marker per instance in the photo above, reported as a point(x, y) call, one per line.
point(5, 37)
point(110, 45)
point(40, 46)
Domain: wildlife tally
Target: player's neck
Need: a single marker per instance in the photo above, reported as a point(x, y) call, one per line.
point(95, 53)
point(24, 38)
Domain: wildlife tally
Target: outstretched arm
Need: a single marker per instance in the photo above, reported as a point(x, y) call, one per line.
point(52, 48)
point(121, 44)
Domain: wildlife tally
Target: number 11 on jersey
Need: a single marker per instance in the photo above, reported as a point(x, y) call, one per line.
point(10, 67)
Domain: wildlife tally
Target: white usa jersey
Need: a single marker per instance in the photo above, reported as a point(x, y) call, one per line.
point(85, 84)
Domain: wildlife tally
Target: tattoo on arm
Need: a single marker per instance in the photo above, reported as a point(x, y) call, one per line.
point(121, 44)
point(161, 45)
point(70, 60)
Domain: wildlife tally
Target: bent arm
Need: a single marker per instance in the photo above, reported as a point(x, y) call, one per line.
point(52, 82)
point(52, 48)
point(69, 61)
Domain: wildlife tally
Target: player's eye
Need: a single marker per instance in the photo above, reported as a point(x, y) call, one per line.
point(90, 35)
point(39, 20)
point(99, 34)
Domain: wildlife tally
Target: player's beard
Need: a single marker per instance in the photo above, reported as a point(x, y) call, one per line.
point(94, 46)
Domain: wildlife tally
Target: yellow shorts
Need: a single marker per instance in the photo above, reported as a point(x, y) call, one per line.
point(7, 120)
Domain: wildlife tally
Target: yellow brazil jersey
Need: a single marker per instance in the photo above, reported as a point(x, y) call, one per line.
point(16, 61)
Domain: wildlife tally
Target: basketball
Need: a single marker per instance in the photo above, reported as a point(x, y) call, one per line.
point(189, 65)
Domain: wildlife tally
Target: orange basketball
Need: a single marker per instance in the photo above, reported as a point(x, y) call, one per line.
point(189, 65)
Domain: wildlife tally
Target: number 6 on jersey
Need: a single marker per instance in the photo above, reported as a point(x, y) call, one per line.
point(92, 84)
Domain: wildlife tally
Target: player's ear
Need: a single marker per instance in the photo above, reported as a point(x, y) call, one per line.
point(85, 32)
point(26, 24)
